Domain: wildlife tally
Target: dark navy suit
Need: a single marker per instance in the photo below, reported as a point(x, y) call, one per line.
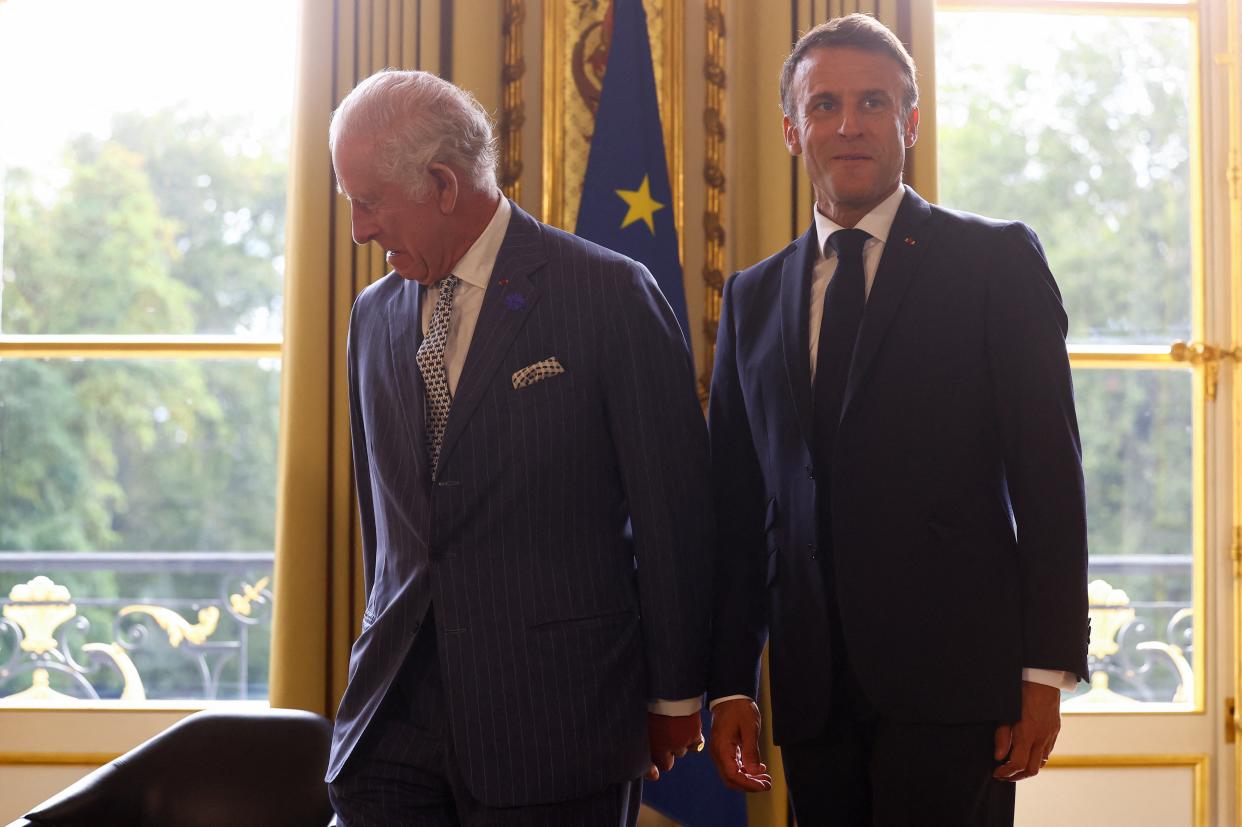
point(553, 626)
point(951, 512)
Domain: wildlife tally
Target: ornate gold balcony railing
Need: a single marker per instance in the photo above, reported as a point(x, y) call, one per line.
point(133, 626)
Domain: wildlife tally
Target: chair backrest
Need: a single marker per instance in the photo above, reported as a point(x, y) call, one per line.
point(262, 768)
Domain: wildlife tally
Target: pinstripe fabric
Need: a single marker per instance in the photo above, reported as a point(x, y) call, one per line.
point(553, 626)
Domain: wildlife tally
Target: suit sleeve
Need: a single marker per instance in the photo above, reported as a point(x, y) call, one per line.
point(660, 441)
point(362, 461)
point(1042, 451)
point(740, 628)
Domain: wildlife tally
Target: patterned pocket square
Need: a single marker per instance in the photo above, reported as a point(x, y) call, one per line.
point(539, 371)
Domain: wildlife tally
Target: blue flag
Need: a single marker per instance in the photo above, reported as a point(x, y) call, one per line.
point(627, 203)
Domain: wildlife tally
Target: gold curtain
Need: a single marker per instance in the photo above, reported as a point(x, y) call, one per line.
point(318, 575)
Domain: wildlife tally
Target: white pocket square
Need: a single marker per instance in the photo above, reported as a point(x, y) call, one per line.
point(540, 370)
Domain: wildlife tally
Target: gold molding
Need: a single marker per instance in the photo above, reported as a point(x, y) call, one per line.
point(714, 178)
point(138, 347)
point(1198, 763)
point(1232, 61)
point(57, 759)
point(121, 706)
point(1135, 357)
point(1120, 8)
point(560, 190)
point(513, 105)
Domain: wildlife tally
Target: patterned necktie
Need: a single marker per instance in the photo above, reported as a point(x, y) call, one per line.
point(430, 360)
point(844, 301)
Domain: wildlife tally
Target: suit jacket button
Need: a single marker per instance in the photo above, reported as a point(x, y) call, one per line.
point(810, 472)
point(810, 547)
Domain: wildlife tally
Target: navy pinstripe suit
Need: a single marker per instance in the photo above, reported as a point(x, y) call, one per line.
point(553, 627)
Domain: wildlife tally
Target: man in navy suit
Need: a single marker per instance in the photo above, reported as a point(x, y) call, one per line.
point(898, 478)
point(531, 466)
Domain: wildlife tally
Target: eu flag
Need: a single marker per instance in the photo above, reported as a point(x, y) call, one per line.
point(627, 203)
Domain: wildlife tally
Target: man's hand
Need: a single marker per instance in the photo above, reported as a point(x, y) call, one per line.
point(735, 746)
point(671, 736)
point(1028, 743)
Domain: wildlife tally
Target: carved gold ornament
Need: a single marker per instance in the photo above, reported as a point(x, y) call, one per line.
point(39, 607)
point(177, 627)
point(250, 594)
point(1109, 612)
point(40, 692)
point(133, 689)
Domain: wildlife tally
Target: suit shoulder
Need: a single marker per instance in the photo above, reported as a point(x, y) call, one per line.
point(369, 307)
point(752, 277)
point(560, 245)
point(377, 293)
point(577, 265)
point(981, 227)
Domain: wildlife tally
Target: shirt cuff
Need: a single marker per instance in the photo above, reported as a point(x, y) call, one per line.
point(721, 700)
point(1065, 681)
point(675, 709)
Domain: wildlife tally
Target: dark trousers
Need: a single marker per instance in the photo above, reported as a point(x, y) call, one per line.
point(866, 770)
point(405, 771)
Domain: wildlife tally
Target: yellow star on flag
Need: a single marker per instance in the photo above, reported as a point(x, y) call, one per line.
point(641, 205)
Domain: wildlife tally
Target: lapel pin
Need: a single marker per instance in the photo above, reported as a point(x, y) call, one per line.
point(910, 241)
point(503, 282)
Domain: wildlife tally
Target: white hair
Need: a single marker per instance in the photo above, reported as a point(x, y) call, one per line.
point(416, 119)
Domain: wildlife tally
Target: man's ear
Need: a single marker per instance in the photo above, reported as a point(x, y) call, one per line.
point(912, 127)
point(444, 182)
point(793, 141)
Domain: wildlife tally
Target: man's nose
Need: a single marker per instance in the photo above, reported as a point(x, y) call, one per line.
point(850, 122)
point(364, 227)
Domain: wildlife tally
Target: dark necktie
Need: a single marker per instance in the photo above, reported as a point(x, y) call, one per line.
point(430, 360)
point(844, 301)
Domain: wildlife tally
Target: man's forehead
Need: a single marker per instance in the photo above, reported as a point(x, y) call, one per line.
point(834, 67)
point(351, 160)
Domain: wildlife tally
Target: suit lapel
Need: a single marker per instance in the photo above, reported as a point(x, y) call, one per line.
point(795, 314)
point(511, 295)
point(907, 242)
point(405, 334)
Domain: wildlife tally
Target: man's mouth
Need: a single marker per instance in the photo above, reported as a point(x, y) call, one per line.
point(852, 157)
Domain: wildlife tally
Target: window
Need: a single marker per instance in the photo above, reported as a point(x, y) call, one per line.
point(143, 169)
point(1083, 123)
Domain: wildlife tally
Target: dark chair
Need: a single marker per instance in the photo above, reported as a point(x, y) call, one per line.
point(212, 769)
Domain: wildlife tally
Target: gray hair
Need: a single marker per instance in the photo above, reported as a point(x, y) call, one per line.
point(853, 31)
point(417, 119)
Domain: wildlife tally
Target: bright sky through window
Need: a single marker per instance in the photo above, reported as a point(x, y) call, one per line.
point(67, 65)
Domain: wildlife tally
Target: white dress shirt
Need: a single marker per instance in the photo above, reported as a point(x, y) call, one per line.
point(475, 271)
point(877, 224)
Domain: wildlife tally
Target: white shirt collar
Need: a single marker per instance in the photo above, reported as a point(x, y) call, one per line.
point(475, 267)
point(876, 223)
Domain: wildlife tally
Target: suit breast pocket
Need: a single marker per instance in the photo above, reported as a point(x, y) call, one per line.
point(548, 391)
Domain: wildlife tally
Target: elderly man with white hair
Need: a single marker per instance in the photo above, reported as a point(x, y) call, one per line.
point(531, 464)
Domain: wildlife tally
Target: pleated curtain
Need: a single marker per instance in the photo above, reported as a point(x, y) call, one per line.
point(318, 582)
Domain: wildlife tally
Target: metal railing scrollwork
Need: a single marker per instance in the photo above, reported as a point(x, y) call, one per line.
point(195, 628)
